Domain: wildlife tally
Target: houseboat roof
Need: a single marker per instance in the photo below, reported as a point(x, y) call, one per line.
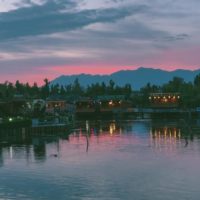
point(68, 98)
point(110, 97)
point(164, 93)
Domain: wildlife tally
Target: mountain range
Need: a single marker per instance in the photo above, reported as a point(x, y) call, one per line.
point(137, 78)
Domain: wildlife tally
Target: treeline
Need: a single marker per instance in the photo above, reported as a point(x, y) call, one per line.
point(9, 90)
point(190, 91)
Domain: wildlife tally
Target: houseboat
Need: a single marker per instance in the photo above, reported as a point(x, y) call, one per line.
point(58, 104)
point(114, 104)
point(164, 100)
point(85, 106)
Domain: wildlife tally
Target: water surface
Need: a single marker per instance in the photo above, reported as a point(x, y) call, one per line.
point(102, 160)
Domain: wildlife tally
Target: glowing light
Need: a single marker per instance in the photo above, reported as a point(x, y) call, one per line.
point(112, 128)
point(175, 134)
point(87, 126)
point(165, 133)
point(11, 152)
point(179, 133)
point(10, 119)
point(111, 103)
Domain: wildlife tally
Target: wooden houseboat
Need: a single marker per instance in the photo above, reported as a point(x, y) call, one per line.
point(113, 104)
point(85, 106)
point(58, 105)
point(164, 100)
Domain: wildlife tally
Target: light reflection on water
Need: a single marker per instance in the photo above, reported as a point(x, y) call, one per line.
point(102, 160)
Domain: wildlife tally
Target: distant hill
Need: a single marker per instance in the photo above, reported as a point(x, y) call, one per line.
point(137, 78)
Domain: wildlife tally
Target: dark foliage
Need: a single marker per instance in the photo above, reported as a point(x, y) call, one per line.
point(189, 91)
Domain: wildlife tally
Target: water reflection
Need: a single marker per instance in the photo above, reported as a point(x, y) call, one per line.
point(19, 145)
point(170, 136)
point(101, 160)
point(14, 145)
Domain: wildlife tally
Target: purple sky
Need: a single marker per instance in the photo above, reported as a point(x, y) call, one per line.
point(47, 38)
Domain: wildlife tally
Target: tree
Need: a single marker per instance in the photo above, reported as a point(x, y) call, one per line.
point(175, 85)
point(19, 87)
point(77, 89)
point(45, 89)
point(55, 89)
point(62, 90)
point(197, 81)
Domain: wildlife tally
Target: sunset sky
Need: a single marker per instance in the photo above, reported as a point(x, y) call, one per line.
point(48, 38)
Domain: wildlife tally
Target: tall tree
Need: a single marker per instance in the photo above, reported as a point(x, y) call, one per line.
point(45, 89)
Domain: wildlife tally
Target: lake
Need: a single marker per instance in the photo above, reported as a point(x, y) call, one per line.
point(102, 160)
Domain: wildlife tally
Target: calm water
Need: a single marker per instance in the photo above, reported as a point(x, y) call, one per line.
point(102, 160)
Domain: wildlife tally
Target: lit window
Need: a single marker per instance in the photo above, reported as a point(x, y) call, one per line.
point(111, 102)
